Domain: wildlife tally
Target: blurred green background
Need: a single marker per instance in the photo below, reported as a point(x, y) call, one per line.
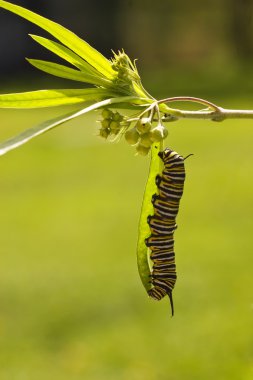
point(71, 303)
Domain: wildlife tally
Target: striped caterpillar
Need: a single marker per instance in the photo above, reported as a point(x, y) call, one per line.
point(162, 224)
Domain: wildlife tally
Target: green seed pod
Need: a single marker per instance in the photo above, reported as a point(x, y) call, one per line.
point(117, 117)
point(159, 133)
point(104, 132)
point(132, 136)
point(105, 123)
point(114, 124)
point(143, 125)
point(145, 140)
point(142, 150)
point(107, 114)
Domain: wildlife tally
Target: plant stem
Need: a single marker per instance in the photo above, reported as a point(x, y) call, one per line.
point(212, 115)
point(213, 112)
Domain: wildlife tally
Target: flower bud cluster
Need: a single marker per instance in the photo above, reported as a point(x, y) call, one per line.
point(126, 70)
point(110, 124)
point(142, 135)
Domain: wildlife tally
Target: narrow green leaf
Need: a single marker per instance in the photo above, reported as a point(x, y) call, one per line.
point(147, 209)
point(52, 98)
point(68, 38)
point(66, 54)
point(30, 133)
point(67, 73)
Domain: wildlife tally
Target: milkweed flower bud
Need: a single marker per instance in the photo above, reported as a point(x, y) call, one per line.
point(145, 140)
point(142, 150)
point(107, 114)
point(115, 131)
point(104, 132)
point(114, 127)
point(159, 133)
point(114, 124)
point(105, 123)
point(143, 125)
point(132, 136)
point(117, 117)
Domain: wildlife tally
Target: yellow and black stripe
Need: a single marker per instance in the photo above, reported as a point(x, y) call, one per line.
point(170, 186)
point(159, 226)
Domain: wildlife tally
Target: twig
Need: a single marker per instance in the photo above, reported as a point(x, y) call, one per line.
point(213, 112)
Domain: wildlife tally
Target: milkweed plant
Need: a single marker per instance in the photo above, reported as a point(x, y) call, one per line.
point(114, 86)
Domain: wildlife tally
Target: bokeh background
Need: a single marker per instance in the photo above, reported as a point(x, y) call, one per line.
point(71, 302)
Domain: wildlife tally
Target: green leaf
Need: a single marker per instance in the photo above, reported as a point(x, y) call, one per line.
point(30, 133)
point(147, 209)
point(68, 38)
point(67, 73)
point(66, 54)
point(51, 98)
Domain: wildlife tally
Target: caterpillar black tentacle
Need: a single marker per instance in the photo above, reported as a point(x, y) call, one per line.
point(170, 186)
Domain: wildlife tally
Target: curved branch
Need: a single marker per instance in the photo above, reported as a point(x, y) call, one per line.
point(190, 99)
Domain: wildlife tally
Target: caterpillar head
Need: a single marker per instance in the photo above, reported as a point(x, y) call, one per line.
point(160, 154)
point(165, 153)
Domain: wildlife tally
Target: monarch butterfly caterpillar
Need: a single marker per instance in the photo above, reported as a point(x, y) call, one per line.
point(162, 224)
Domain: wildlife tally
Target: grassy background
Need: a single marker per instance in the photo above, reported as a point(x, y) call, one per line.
point(71, 303)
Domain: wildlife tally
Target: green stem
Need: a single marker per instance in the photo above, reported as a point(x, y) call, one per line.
point(213, 112)
point(220, 115)
point(236, 114)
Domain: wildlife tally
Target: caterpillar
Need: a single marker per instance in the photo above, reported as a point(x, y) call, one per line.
point(170, 186)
